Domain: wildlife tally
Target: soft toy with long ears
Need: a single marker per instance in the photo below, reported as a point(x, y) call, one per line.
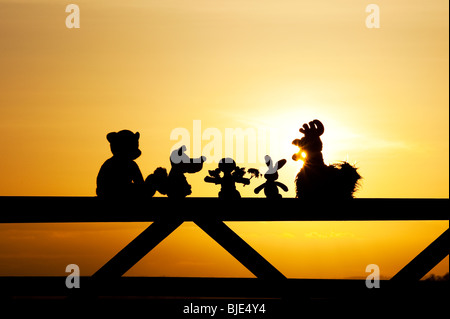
point(271, 185)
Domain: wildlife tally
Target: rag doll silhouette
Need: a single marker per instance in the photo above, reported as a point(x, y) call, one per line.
point(227, 175)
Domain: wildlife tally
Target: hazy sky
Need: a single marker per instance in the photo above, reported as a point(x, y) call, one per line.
point(155, 66)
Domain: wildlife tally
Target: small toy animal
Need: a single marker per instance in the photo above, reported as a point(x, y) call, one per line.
point(317, 180)
point(232, 174)
point(271, 185)
point(177, 186)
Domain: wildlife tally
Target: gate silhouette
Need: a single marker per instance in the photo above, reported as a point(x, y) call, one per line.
point(210, 214)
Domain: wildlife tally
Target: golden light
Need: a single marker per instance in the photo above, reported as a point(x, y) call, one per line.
point(219, 66)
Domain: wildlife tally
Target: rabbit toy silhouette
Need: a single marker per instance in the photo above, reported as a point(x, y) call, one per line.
point(271, 185)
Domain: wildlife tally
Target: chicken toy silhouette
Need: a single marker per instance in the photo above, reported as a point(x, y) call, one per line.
point(315, 179)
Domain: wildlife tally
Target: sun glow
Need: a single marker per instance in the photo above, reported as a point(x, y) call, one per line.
point(266, 67)
point(300, 158)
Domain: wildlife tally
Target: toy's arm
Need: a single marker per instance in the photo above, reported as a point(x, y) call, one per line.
point(260, 188)
point(282, 186)
point(137, 175)
point(210, 179)
point(245, 181)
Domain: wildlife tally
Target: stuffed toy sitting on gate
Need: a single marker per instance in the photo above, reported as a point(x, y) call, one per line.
point(177, 186)
point(120, 176)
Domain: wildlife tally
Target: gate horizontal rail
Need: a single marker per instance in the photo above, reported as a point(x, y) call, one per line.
point(27, 209)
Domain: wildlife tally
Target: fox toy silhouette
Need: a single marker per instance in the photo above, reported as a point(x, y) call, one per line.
point(177, 186)
point(315, 179)
point(174, 184)
point(231, 174)
point(271, 185)
point(120, 176)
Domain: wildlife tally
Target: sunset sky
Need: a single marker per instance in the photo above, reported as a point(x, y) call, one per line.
point(266, 66)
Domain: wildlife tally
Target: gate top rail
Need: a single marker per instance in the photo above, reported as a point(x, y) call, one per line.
point(29, 209)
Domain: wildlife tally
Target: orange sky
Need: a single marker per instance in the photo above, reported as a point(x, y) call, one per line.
point(297, 249)
point(154, 66)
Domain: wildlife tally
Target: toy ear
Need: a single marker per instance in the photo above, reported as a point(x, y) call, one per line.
point(281, 163)
point(269, 161)
point(181, 150)
point(137, 135)
point(111, 136)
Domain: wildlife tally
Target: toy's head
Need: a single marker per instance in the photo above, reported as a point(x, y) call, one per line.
point(311, 142)
point(272, 169)
point(227, 165)
point(180, 161)
point(124, 144)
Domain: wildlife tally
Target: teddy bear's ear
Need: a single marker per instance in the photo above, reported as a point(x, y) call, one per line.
point(111, 136)
point(137, 135)
point(281, 163)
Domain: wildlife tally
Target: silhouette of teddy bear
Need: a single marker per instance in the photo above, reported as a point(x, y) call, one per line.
point(232, 174)
point(120, 176)
point(177, 186)
point(271, 185)
point(317, 180)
